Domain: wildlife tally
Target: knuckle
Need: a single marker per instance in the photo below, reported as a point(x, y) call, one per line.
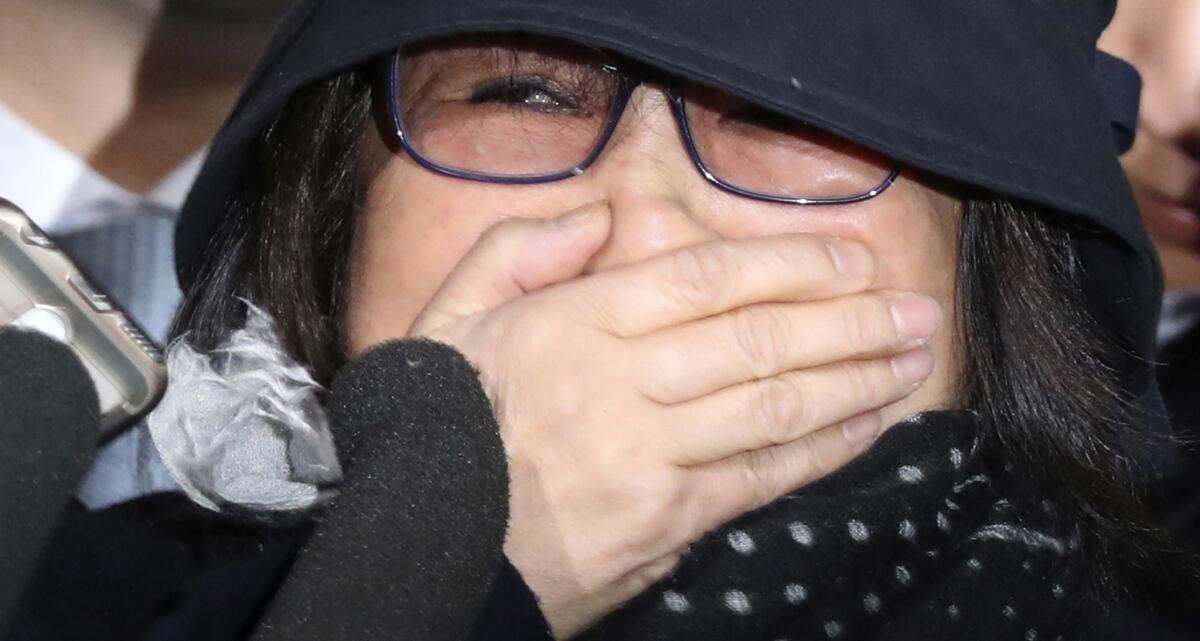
point(659, 523)
point(777, 410)
point(657, 508)
point(762, 335)
point(496, 236)
point(616, 452)
point(695, 510)
point(501, 238)
point(868, 323)
point(703, 276)
point(865, 382)
point(662, 375)
point(820, 463)
point(660, 390)
point(597, 309)
point(513, 334)
point(762, 476)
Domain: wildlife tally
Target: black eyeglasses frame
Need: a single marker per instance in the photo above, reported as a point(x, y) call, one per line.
point(626, 84)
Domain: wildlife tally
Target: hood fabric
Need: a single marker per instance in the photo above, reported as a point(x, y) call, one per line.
point(1006, 96)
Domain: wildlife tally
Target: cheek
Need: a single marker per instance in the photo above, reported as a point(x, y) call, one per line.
point(414, 228)
point(411, 233)
point(914, 233)
point(918, 250)
point(912, 230)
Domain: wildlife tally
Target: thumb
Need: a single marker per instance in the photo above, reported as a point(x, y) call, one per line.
point(515, 257)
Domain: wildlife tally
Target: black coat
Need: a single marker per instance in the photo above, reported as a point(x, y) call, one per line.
point(1178, 502)
point(912, 525)
point(161, 568)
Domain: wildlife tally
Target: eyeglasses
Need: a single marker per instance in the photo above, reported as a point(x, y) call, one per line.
point(497, 110)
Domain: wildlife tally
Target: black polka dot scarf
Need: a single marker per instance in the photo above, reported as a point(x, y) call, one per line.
point(917, 539)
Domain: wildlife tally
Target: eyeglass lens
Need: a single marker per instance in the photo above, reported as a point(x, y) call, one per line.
point(519, 106)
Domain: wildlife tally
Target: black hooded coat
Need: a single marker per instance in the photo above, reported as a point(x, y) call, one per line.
point(1010, 97)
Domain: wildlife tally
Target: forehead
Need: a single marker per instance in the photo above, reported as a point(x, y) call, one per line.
point(580, 64)
point(504, 49)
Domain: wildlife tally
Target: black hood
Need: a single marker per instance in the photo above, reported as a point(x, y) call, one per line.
point(1001, 95)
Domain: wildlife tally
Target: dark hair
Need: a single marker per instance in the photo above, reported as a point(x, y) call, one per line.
point(286, 239)
point(1037, 363)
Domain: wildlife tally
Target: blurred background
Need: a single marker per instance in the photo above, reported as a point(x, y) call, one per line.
point(106, 108)
point(1162, 39)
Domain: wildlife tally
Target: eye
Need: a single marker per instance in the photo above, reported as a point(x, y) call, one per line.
point(534, 93)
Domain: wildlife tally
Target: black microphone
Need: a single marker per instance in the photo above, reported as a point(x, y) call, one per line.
point(408, 548)
point(49, 422)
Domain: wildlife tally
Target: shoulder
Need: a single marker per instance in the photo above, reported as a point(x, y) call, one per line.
point(158, 567)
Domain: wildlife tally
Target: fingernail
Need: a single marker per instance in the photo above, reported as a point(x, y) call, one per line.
point(913, 367)
point(917, 317)
point(863, 428)
point(851, 258)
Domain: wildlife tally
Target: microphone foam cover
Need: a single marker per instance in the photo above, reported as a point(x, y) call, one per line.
point(408, 548)
point(49, 424)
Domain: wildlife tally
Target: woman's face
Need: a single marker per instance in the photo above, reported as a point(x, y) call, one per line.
point(417, 224)
point(1162, 39)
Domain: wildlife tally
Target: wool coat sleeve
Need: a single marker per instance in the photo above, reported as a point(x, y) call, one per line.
point(159, 568)
point(164, 569)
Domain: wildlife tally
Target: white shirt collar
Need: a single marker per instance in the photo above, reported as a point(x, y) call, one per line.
point(59, 191)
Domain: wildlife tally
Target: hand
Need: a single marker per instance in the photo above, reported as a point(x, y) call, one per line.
point(646, 405)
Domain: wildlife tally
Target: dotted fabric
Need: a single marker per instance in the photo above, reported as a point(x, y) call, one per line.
point(917, 539)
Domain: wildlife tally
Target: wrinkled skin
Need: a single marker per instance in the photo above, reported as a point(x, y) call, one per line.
point(663, 356)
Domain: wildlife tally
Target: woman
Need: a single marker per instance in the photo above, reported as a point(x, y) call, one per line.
point(1162, 39)
point(695, 278)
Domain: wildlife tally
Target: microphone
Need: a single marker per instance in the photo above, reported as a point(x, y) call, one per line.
point(409, 547)
point(49, 422)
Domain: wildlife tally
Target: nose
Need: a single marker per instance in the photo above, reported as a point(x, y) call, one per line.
point(1172, 89)
point(657, 198)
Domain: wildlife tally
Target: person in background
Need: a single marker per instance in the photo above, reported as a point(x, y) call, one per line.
point(1162, 39)
point(348, 231)
point(105, 109)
